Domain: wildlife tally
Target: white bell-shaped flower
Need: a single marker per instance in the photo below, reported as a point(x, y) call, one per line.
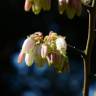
point(27, 48)
point(31, 50)
point(61, 44)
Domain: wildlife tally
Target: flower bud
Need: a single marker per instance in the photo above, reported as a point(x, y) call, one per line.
point(27, 5)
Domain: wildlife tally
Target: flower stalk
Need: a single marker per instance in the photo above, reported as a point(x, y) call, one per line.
point(89, 46)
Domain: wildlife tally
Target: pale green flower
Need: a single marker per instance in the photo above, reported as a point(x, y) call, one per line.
point(36, 7)
point(70, 7)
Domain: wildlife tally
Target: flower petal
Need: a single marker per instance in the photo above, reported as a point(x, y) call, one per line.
point(28, 45)
point(27, 5)
point(29, 59)
point(43, 51)
point(61, 43)
point(21, 57)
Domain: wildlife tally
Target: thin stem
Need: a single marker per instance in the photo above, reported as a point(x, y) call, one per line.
point(88, 50)
point(93, 3)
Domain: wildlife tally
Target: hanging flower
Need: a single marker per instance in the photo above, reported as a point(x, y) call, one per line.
point(70, 7)
point(50, 50)
point(27, 5)
point(31, 49)
point(27, 48)
point(55, 51)
point(36, 7)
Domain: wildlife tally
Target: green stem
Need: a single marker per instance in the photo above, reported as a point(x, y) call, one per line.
point(88, 50)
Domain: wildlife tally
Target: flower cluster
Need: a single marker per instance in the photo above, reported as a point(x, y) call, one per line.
point(70, 7)
point(37, 5)
point(49, 50)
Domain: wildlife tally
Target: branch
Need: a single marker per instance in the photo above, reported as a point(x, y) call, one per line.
point(89, 46)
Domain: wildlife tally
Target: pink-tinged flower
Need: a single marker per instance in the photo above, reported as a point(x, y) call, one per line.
point(51, 50)
point(28, 5)
point(21, 57)
point(28, 45)
point(36, 7)
point(27, 48)
point(31, 49)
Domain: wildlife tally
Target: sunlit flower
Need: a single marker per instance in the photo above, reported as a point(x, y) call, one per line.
point(51, 50)
point(27, 48)
point(61, 44)
point(55, 51)
point(30, 49)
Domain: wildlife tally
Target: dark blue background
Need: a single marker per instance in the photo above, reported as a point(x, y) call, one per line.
point(19, 80)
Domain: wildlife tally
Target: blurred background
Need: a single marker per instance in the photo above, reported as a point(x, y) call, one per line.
point(20, 80)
